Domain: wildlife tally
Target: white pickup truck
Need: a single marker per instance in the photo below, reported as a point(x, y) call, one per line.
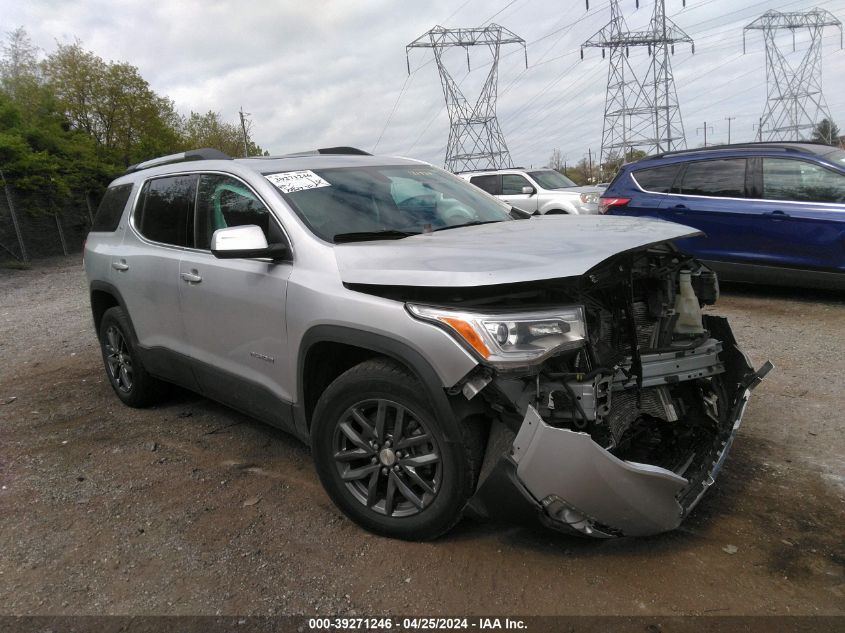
point(540, 191)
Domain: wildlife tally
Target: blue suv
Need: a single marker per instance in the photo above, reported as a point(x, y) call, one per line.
point(770, 212)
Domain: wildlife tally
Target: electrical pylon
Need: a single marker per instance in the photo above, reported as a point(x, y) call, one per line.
point(475, 138)
point(640, 114)
point(794, 100)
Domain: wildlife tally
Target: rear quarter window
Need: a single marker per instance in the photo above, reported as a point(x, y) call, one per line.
point(111, 208)
point(658, 179)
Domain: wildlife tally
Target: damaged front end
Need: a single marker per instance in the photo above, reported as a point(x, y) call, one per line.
point(620, 426)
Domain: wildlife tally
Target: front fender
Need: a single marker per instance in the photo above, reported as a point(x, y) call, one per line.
point(558, 205)
point(384, 346)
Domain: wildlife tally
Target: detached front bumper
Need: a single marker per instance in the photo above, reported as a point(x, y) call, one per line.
point(576, 485)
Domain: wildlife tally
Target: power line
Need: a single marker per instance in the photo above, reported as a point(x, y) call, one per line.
point(794, 101)
point(550, 101)
point(475, 137)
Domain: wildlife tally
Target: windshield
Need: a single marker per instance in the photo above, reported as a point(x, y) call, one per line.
point(391, 200)
point(550, 179)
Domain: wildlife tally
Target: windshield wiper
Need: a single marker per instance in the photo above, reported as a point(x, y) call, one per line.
point(366, 236)
point(473, 223)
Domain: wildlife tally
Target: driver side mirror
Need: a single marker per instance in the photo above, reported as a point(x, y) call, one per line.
point(246, 241)
point(528, 190)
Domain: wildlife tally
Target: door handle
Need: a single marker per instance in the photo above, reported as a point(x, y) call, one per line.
point(680, 208)
point(191, 277)
point(776, 214)
point(121, 266)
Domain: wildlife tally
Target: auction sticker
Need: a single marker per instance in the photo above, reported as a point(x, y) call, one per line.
point(293, 181)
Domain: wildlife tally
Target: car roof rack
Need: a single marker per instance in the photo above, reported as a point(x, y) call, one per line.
point(786, 146)
point(204, 153)
point(494, 169)
point(341, 150)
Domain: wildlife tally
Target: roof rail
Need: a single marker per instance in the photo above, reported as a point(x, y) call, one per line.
point(350, 151)
point(205, 153)
point(491, 169)
point(343, 150)
point(786, 146)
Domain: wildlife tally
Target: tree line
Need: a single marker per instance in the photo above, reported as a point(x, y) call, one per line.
point(70, 122)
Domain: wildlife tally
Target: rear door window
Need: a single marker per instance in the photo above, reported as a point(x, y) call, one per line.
point(800, 181)
point(166, 209)
point(111, 208)
point(490, 184)
point(658, 179)
point(724, 178)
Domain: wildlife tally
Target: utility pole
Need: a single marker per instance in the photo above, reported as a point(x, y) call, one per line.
point(729, 119)
point(705, 132)
point(475, 138)
point(640, 113)
point(794, 100)
point(243, 129)
point(759, 127)
point(590, 158)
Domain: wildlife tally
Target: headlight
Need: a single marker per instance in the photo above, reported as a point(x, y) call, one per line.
point(518, 338)
point(589, 198)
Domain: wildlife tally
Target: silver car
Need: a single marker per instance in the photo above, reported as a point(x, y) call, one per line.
point(537, 191)
point(440, 352)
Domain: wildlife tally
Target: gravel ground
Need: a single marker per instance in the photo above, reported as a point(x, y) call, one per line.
point(191, 508)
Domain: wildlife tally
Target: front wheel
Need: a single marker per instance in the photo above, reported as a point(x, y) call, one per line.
point(383, 455)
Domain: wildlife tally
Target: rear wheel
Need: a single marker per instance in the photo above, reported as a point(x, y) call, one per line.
point(126, 373)
point(383, 455)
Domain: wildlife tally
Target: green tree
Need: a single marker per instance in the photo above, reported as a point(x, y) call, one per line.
point(827, 132)
point(112, 103)
point(209, 130)
point(46, 158)
point(610, 168)
point(20, 76)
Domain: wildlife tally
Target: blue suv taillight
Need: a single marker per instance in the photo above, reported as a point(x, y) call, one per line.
point(605, 204)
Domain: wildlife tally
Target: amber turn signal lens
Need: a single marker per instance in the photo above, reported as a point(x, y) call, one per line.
point(468, 334)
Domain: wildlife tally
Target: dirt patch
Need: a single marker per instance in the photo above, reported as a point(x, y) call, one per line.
point(192, 508)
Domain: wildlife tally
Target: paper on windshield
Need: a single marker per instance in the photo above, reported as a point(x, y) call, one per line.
point(293, 181)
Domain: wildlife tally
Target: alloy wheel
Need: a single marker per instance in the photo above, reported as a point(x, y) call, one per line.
point(387, 457)
point(118, 359)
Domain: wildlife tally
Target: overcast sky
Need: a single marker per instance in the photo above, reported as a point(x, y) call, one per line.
point(322, 73)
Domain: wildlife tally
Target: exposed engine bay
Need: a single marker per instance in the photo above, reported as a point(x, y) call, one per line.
point(650, 386)
point(658, 388)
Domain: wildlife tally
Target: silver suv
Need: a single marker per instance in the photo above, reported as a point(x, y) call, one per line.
point(441, 353)
point(537, 191)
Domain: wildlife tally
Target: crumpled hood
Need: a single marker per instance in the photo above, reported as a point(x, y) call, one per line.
point(544, 247)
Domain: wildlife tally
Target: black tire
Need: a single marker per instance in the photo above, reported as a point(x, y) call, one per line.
point(124, 369)
point(365, 390)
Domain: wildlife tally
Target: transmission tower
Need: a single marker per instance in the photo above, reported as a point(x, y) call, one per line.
point(475, 138)
point(794, 99)
point(640, 114)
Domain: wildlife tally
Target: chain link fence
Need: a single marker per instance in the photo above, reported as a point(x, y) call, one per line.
point(34, 226)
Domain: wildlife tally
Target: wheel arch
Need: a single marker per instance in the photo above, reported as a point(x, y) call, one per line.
point(326, 351)
point(104, 296)
point(558, 207)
